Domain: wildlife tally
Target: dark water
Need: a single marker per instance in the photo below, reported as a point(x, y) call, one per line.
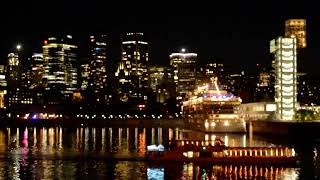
point(83, 153)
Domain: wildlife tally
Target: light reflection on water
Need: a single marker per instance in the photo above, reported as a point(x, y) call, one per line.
point(55, 153)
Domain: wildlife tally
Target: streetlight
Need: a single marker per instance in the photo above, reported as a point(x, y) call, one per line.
point(18, 47)
point(183, 50)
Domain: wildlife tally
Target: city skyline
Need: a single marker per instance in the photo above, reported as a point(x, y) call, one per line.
point(156, 90)
point(245, 31)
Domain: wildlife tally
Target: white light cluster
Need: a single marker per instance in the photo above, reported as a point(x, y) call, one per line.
point(286, 76)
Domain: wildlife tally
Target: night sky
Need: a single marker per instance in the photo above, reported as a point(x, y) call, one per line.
point(236, 33)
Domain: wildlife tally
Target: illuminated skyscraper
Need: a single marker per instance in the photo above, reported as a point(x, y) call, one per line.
point(184, 70)
point(37, 69)
point(264, 90)
point(85, 76)
point(156, 77)
point(60, 72)
point(285, 53)
point(297, 28)
point(17, 95)
point(13, 70)
point(132, 71)
point(98, 64)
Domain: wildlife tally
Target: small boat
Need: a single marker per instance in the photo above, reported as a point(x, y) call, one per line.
point(204, 152)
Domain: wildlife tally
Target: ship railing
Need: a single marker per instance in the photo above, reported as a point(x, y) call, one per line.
point(195, 145)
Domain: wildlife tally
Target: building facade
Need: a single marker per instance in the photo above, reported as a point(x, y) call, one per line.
point(13, 70)
point(37, 70)
point(184, 71)
point(60, 68)
point(132, 71)
point(98, 63)
point(297, 28)
point(285, 53)
point(85, 76)
point(156, 76)
point(265, 87)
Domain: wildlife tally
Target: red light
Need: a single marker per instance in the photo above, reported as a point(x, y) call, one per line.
point(45, 42)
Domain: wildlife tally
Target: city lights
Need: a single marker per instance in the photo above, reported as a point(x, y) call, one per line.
point(18, 47)
point(286, 77)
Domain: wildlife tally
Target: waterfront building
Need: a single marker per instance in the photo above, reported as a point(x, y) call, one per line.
point(258, 111)
point(284, 50)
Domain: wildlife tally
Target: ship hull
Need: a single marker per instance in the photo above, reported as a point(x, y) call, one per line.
point(213, 125)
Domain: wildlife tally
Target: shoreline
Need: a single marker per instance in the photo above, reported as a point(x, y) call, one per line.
point(174, 122)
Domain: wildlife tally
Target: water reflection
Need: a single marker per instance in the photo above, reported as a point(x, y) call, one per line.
point(55, 153)
point(192, 171)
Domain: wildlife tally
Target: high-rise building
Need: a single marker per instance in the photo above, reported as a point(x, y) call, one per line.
point(85, 76)
point(285, 53)
point(265, 88)
point(60, 67)
point(184, 70)
point(132, 71)
point(13, 70)
point(214, 69)
point(297, 28)
point(156, 76)
point(37, 70)
point(161, 83)
point(98, 64)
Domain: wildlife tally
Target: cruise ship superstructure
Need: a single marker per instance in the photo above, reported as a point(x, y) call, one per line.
point(213, 110)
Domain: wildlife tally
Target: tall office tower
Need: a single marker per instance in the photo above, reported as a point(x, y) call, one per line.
point(85, 76)
point(265, 88)
point(60, 70)
point(37, 69)
point(13, 70)
point(98, 64)
point(132, 71)
point(285, 53)
point(184, 70)
point(156, 76)
point(17, 96)
point(214, 69)
point(297, 28)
